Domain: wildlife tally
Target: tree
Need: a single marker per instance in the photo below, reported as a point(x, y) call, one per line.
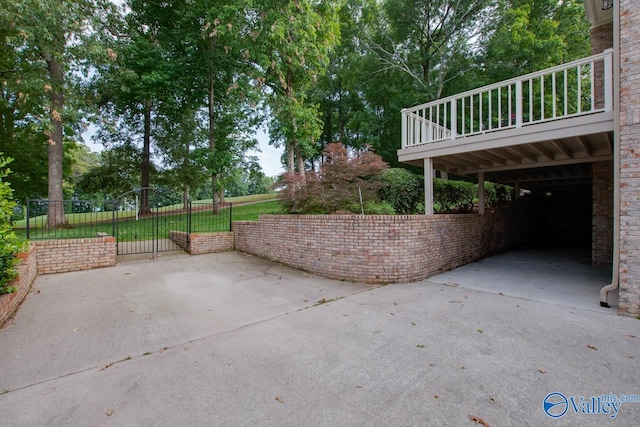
point(534, 35)
point(341, 181)
point(297, 38)
point(58, 39)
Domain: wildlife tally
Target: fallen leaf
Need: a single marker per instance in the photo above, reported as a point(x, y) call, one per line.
point(84, 295)
point(109, 412)
point(542, 371)
point(38, 291)
point(632, 336)
point(493, 399)
point(435, 396)
point(395, 303)
point(392, 314)
point(629, 357)
point(479, 420)
point(420, 345)
point(413, 324)
point(126, 274)
point(359, 386)
point(480, 330)
point(591, 347)
point(75, 330)
point(279, 399)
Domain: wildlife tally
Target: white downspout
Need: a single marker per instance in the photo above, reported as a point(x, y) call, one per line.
point(616, 159)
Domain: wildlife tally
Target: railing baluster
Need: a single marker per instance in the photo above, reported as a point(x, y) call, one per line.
point(579, 71)
point(566, 94)
point(454, 118)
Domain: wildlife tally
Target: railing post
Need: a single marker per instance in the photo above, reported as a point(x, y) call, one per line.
point(404, 128)
point(519, 103)
point(608, 80)
point(454, 118)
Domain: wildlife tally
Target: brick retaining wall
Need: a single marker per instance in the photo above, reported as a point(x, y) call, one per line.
point(203, 243)
point(61, 256)
point(27, 270)
point(382, 249)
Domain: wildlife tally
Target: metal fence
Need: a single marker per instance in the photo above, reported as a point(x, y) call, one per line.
point(121, 218)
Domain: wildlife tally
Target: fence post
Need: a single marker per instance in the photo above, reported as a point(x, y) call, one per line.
point(230, 216)
point(26, 212)
point(189, 212)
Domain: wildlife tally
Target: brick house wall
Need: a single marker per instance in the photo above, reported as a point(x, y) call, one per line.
point(602, 214)
point(382, 249)
point(601, 40)
point(629, 272)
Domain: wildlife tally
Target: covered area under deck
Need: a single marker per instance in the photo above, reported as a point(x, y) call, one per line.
point(555, 275)
point(550, 135)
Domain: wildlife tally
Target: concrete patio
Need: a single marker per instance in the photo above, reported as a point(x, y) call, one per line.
point(230, 339)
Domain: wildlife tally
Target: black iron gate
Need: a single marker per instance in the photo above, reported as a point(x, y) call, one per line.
point(145, 217)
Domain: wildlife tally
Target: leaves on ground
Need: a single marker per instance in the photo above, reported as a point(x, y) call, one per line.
point(279, 399)
point(493, 399)
point(480, 330)
point(632, 336)
point(109, 412)
point(542, 371)
point(479, 420)
point(420, 345)
point(76, 329)
point(591, 347)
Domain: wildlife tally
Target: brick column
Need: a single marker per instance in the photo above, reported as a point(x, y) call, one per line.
point(602, 225)
point(629, 280)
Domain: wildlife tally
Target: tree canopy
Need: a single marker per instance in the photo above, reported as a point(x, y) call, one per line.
point(176, 89)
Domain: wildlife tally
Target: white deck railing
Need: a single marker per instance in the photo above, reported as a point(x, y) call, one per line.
point(574, 89)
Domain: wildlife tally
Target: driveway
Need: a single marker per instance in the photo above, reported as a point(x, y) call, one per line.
point(231, 339)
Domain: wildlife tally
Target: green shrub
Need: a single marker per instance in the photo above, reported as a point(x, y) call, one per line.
point(381, 208)
point(448, 195)
point(10, 245)
point(402, 189)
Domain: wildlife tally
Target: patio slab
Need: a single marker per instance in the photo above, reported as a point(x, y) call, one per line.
point(230, 339)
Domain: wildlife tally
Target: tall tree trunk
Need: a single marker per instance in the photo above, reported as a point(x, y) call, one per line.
point(212, 123)
point(55, 213)
point(291, 156)
point(299, 160)
point(146, 159)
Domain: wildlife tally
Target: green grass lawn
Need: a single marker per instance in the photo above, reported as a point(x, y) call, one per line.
point(128, 229)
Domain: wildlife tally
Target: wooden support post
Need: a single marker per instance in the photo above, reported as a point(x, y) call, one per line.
point(428, 186)
point(481, 201)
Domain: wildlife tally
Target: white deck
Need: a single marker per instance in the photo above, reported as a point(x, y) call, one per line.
point(559, 116)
